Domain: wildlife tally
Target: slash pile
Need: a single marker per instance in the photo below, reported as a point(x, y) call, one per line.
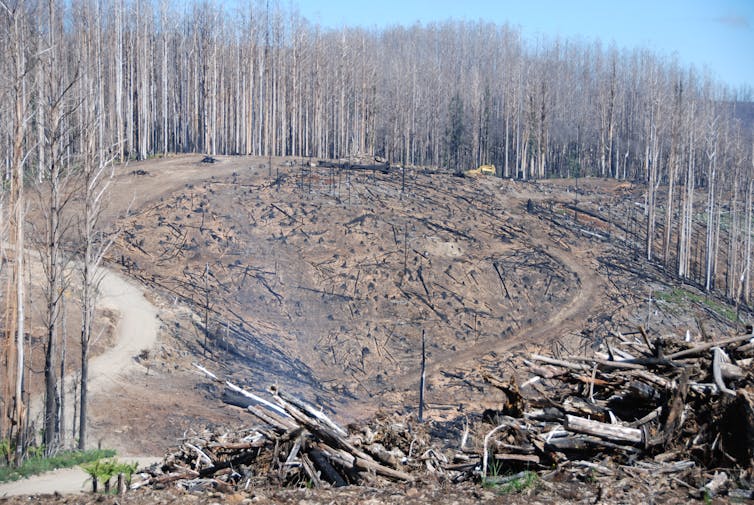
point(667, 407)
point(295, 444)
point(634, 409)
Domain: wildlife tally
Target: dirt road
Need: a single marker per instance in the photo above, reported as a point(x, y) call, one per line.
point(136, 330)
point(63, 481)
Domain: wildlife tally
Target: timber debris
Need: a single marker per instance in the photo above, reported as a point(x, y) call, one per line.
point(676, 412)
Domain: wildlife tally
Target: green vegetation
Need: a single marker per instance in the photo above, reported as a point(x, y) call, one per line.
point(103, 470)
point(679, 296)
point(38, 464)
point(512, 483)
point(707, 497)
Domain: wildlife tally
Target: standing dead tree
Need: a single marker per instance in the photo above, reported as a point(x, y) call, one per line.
point(95, 182)
point(95, 177)
point(14, 21)
point(55, 107)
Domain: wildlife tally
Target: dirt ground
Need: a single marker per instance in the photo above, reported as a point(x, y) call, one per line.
point(323, 281)
point(542, 494)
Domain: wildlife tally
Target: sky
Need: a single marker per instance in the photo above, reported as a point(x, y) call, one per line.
point(713, 34)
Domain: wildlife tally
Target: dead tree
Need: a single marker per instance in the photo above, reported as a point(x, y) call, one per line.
point(96, 176)
point(54, 197)
point(15, 21)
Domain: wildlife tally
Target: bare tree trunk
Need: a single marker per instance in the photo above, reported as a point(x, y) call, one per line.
point(17, 211)
point(422, 379)
point(56, 98)
point(652, 182)
point(749, 231)
point(119, 128)
point(711, 178)
point(61, 390)
point(686, 231)
point(732, 274)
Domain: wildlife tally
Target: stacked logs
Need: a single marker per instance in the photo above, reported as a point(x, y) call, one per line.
point(668, 407)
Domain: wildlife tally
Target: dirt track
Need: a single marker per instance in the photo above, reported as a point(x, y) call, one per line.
point(136, 330)
point(62, 481)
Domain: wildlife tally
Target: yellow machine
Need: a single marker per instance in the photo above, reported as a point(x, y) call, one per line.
point(481, 170)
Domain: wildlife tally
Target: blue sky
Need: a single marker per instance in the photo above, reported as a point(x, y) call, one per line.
point(717, 34)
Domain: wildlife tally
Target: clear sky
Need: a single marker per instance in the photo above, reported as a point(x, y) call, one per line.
point(717, 34)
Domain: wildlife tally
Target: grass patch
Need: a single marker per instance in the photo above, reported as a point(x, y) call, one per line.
point(679, 296)
point(65, 459)
point(516, 483)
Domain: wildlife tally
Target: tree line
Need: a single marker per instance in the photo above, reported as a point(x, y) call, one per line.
point(86, 83)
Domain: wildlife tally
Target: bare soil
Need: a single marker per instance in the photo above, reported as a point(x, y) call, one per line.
point(323, 281)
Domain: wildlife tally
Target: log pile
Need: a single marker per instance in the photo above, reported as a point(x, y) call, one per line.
point(293, 444)
point(633, 409)
point(668, 407)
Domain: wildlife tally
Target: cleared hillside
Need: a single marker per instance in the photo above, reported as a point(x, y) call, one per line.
point(323, 280)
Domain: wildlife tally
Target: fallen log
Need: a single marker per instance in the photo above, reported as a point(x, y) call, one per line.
point(517, 458)
point(333, 435)
point(705, 347)
point(603, 430)
point(381, 167)
point(322, 462)
point(560, 362)
point(718, 356)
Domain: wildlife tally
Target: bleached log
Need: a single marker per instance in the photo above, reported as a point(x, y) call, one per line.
point(718, 357)
point(731, 371)
point(718, 482)
point(326, 433)
point(256, 398)
point(309, 410)
point(603, 430)
point(543, 371)
point(610, 363)
point(705, 347)
point(485, 454)
point(518, 458)
point(369, 464)
point(559, 362)
point(241, 391)
point(206, 372)
point(280, 423)
point(653, 378)
point(200, 453)
point(593, 466)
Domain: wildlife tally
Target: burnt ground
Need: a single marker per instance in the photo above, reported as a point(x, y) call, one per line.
point(327, 290)
point(323, 281)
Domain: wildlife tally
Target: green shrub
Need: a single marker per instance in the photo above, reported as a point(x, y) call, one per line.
point(39, 464)
point(513, 483)
point(103, 470)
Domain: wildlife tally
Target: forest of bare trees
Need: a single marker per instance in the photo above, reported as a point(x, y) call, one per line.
point(84, 83)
